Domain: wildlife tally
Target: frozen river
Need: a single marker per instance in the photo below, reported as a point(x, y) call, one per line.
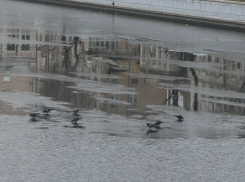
point(122, 72)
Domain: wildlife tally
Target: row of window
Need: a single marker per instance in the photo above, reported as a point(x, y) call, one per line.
point(14, 47)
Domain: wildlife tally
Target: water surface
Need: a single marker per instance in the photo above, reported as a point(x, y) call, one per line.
point(122, 72)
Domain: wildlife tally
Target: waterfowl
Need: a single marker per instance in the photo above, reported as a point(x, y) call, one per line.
point(150, 125)
point(75, 111)
point(158, 122)
point(74, 120)
point(180, 117)
point(155, 125)
point(47, 111)
point(34, 114)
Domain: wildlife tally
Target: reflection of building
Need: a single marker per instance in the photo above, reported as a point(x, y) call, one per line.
point(18, 43)
point(152, 58)
point(224, 75)
point(15, 83)
point(219, 74)
point(93, 55)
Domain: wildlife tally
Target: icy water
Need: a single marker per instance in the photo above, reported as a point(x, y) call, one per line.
point(122, 72)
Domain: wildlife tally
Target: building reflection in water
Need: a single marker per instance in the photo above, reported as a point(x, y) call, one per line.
point(128, 59)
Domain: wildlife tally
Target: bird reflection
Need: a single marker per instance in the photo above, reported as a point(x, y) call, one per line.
point(33, 119)
point(151, 131)
point(158, 127)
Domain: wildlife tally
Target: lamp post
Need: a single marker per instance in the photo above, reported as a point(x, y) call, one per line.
point(113, 6)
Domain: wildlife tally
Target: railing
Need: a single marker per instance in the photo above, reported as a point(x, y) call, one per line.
point(219, 10)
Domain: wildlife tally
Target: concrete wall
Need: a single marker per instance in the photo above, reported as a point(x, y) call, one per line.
point(201, 9)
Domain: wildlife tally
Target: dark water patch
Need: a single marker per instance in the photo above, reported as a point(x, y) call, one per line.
point(81, 127)
point(42, 128)
point(128, 131)
point(33, 120)
point(107, 121)
point(112, 134)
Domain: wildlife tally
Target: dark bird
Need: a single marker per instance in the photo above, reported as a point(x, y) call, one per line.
point(74, 121)
point(158, 122)
point(150, 125)
point(47, 111)
point(34, 114)
point(75, 111)
point(180, 118)
point(155, 125)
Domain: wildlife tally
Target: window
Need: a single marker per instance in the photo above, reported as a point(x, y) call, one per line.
point(114, 105)
point(112, 45)
point(209, 58)
point(97, 42)
point(134, 81)
point(25, 47)
point(107, 44)
point(133, 99)
point(238, 65)
point(12, 47)
point(143, 51)
point(114, 80)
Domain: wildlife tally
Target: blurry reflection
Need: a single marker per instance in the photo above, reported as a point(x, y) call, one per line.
point(75, 40)
point(151, 131)
point(195, 104)
point(175, 97)
point(112, 56)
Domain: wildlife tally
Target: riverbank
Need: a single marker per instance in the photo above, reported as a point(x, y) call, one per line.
point(217, 14)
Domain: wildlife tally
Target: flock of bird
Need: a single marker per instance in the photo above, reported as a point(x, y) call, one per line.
point(157, 124)
point(46, 112)
point(76, 118)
